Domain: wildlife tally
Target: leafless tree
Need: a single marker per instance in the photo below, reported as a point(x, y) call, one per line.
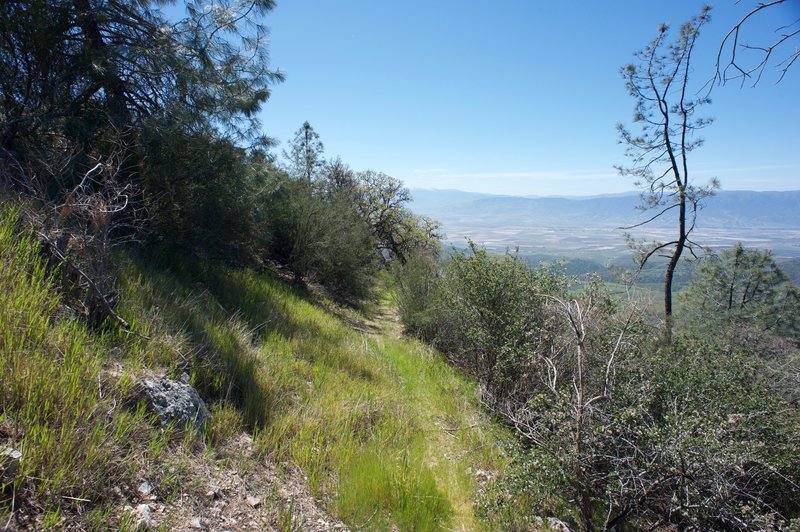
point(81, 225)
point(623, 425)
point(578, 373)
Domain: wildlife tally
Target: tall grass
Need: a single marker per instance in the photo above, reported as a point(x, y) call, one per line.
point(385, 431)
point(56, 406)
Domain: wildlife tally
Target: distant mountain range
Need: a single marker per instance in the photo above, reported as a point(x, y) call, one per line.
point(760, 219)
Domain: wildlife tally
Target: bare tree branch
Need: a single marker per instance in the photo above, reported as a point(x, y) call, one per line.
point(729, 63)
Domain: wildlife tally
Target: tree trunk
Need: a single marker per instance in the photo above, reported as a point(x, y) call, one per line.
point(673, 263)
point(96, 49)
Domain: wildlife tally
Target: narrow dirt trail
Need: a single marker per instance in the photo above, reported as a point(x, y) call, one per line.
point(455, 443)
point(386, 321)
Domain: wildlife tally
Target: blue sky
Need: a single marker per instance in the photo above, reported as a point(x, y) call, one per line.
point(513, 96)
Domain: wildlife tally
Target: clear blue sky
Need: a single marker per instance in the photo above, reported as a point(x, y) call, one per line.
point(513, 96)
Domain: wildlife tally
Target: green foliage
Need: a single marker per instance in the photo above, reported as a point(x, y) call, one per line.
point(400, 486)
point(417, 285)
point(321, 238)
point(56, 404)
point(360, 415)
point(94, 84)
point(74, 64)
point(339, 179)
point(357, 414)
point(305, 156)
point(531, 488)
point(621, 430)
point(490, 313)
point(693, 435)
point(743, 288)
point(717, 435)
point(381, 200)
point(202, 195)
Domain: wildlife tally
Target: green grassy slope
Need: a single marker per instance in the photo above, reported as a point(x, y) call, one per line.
point(386, 433)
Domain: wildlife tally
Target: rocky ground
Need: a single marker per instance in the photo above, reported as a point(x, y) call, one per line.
point(237, 491)
point(235, 486)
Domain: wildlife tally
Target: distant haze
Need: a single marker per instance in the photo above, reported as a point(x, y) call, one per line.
point(591, 226)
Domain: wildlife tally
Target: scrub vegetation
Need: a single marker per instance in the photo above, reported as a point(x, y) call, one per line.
point(357, 375)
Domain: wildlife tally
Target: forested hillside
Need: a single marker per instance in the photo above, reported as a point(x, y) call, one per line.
point(199, 330)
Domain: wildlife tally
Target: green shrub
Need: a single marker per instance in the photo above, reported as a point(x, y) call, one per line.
point(201, 194)
point(417, 283)
point(701, 440)
point(321, 238)
point(692, 436)
point(490, 313)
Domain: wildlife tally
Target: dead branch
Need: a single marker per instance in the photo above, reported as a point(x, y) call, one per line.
point(734, 68)
point(101, 297)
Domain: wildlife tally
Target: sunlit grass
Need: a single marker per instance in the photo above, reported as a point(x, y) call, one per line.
point(56, 406)
point(383, 429)
point(387, 434)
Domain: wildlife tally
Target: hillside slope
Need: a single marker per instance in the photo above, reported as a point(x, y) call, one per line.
point(308, 413)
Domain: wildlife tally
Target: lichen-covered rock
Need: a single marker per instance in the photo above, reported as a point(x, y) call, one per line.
point(144, 516)
point(9, 462)
point(174, 401)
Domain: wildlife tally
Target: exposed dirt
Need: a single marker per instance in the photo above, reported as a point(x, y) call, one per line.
point(236, 490)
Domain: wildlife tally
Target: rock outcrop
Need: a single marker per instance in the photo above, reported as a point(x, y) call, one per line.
point(174, 401)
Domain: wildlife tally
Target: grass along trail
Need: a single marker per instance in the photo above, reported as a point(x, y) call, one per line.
point(378, 429)
point(460, 444)
point(387, 434)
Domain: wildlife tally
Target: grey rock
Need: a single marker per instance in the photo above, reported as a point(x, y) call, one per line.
point(145, 489)
point(551, 523)
point(213, 492)
point(174, 401)
point(9, 462)
point(144, 516)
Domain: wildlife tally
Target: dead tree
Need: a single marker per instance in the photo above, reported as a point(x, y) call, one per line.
point(80, 226)
point(577, 372)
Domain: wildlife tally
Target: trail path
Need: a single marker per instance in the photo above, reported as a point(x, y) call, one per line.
point(455, 442)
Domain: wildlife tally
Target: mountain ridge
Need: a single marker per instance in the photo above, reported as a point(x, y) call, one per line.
point(759, 219)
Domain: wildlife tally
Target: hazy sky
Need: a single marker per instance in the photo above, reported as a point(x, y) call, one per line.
point(513, 96)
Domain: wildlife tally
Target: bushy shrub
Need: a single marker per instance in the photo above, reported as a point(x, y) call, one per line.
point(417, 283)
point(490, 314)
point(692, 435)
point(321, 238)
point(344, 257)
point(201, 195)
point(697, 438)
